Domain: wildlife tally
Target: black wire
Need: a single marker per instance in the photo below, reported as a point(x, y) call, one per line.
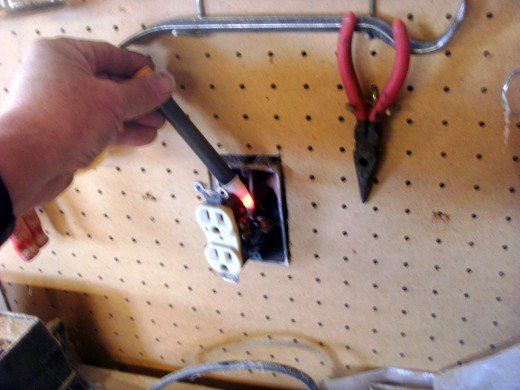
point(233, 365)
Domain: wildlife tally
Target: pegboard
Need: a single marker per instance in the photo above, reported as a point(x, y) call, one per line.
point(425, 275)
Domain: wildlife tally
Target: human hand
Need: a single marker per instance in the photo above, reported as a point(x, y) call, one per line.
point(69, 100)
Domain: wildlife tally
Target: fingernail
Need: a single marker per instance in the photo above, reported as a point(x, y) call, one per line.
point(41, 240)
point(161, 83)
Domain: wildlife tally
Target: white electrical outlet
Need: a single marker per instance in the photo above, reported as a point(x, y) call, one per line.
point(223, 250)
point(223, 259)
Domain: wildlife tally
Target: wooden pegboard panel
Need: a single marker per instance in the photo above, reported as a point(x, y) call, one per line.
point(424, 275)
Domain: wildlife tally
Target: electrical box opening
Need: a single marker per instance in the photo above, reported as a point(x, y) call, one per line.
point(263, 229)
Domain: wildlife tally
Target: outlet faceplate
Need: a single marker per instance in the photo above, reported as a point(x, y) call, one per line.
point(264, 232)
point(223, 250)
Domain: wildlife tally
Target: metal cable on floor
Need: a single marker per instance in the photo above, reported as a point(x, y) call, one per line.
point(235, 365)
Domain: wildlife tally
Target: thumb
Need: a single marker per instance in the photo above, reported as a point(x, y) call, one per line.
point(144, 94)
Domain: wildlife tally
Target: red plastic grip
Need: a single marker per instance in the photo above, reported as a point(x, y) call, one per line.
point(346, 67)
point(399, 71)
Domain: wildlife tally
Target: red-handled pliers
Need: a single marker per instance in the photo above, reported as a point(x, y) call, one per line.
point(368, 127)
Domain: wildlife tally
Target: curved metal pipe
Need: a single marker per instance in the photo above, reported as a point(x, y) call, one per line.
point(375, 27)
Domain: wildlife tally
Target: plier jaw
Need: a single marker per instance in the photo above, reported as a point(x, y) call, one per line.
point(366, 154)
point(368, 129)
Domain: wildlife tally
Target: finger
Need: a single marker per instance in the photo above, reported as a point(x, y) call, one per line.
point(23, 241)
point(112, 77)
point(35, 227)
point(144, 94)
point(136, 135)
point(106, 58)
point(154, 119)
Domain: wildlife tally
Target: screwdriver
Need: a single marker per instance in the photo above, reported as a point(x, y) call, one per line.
point(202, 148)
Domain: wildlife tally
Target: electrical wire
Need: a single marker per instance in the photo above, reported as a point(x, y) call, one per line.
point(235, 365)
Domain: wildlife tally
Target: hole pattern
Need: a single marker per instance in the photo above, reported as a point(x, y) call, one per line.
point(139, 258)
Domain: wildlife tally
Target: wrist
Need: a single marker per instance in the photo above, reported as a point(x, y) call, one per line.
point(17, 168)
